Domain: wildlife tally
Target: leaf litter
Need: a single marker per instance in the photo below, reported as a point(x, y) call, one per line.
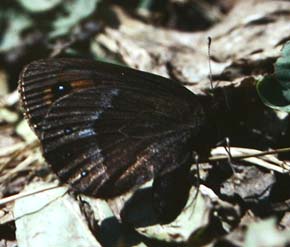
point(238, 202)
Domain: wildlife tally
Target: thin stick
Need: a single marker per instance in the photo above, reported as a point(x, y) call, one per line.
point(237, 157)
point(25, 194)
point(16, 152)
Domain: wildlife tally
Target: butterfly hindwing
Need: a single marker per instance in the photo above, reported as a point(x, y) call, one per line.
point(106, 149)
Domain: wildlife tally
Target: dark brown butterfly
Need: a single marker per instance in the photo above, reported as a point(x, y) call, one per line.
point(106, 129)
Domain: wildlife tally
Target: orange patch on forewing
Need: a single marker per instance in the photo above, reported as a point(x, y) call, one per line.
point(82, 84)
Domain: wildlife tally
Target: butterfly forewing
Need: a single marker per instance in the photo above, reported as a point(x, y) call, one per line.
point(105, 129)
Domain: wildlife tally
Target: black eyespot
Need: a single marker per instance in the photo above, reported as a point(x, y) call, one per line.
point(61, 89)
point(68, 131)
point(84, 173)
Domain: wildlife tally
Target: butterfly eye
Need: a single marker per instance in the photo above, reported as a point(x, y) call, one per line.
point(61, 89)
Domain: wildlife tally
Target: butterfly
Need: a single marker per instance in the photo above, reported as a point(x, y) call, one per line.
point(107, 129)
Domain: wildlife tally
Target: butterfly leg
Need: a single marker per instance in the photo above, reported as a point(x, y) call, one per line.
point(227, 146)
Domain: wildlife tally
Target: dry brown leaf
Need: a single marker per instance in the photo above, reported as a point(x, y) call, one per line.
point(252, 33)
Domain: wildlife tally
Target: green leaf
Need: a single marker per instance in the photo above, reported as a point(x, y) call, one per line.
point(272, 94)
point(76, 10)
point(145, 4)
point(39, 5)
point(16, 23)
point(274, 90)
point(282, 67)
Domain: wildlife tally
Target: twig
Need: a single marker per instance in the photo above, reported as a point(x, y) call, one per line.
point(13, 152)
point(270, 163)
point(25, 194)
point(257, 154)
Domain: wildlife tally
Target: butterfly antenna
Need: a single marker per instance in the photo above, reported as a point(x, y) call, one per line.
point(209, 61)
point(227, 146)
point(88, 213)
point(196, 161)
